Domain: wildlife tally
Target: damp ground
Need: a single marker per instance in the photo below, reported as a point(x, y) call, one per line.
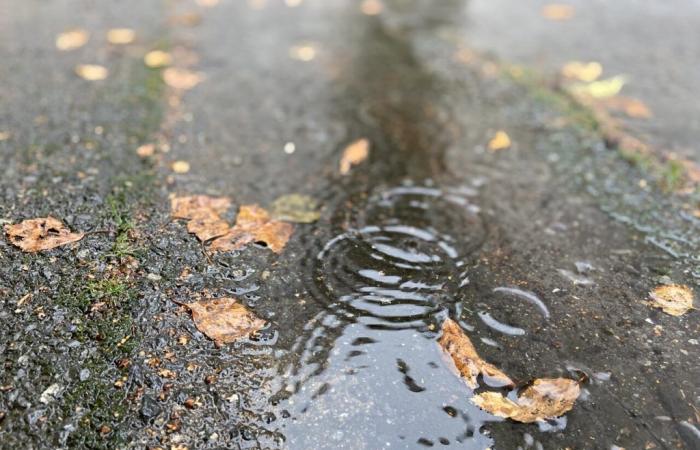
point(543, 252)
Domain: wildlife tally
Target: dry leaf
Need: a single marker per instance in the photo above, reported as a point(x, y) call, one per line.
point(91, 72)
point(371, 7)
point(546, 398)
point(157, 58)
point(224, 320)
point(581, 71)
point(181, 78)
point(303, 52)
point(121, 36)
point(181, 167)
point(468, 362)
point(35, 235)
point(500, 141)
point(558, 11)
point(253, 224)
point(353, 155)
point(190, 206)
point(295, 208)
point(72, 39)
point(600, 89)
point(673, 299)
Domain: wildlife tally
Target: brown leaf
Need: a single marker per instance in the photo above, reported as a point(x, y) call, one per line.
point(35, 235)
point(253, 224)
point(207, 225)
point(188, 207)
point(673, 299)
point(545, 398)
point(354, 154)
point(468, 362)
point(224, 320)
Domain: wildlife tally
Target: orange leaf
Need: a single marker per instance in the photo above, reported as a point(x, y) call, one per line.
point(673, 299)
point(253, 224)
point(224, 320)
point(353, 155)
point(35, 235)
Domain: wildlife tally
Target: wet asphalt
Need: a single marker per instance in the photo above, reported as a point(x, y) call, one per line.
point(95, 354)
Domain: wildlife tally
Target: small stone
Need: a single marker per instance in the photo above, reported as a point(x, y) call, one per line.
point(84, 374)
point(149, 408)
point(50, 394)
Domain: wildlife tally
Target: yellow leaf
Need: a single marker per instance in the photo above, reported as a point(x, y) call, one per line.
point(303, 52)
point(157, 58)
point(558, 11)
point(91, 72)
point(673, 299)
point(181, 78)
point(181, 167)
point(608, 87)
point(581, 71)
point(121, 36)
point(224, 320)
point(35, 235)
point(354, 154)
point(500, 141)
point(72, 39)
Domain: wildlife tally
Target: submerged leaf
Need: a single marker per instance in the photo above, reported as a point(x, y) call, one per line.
point(545, 398)
point(91, 72)
point(35, 235)
point(296, 208)
point(581, 71)
point(72, 39)
point(468, 362)
point(253, 224)
point(673, 299)
point(224, 320)
point(354, 154)
point(500, 141)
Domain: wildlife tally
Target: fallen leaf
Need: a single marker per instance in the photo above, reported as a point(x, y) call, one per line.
point(545, 398)
point(208, 3)
point(295, 208)
point(673, 299)
point(5, 135)
point(207, 225)
point(602, 88)
point(146, 150)
point(353, 155)
point(181, 78)
point(180, 167)
point(188, 19)
point(157, 58)
point(468, 362)
point(72, 39)
point(581, 71)
point(121, 36)
point(558, 11)
point(35, 235)
point(224, 320)
point(188, 207)
point(91, 72)
point(371, 7)
point(632, 107)
point(253, 224)
point(302, 52)
point(500, 141)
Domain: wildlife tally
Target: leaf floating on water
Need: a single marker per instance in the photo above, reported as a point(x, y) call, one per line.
point(673, 299)
point(35, 235)
point(181, 78)
point(296, 208)
point(224, 320)
point(586, 72)
point(354, 154)
point(157, 58)
point(608, 87)
point(72, 39)
point(188, 207)
point(468, 362)
point(500, 141)
point(253, 224)
point(558, 11)
point(91, 72)
point(121, 36)
point(545, 398)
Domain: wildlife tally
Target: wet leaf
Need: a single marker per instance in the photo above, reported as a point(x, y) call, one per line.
point(632, 107)
point(253, 224)
point(673, 299)
point(190, 206)
point(35, 235)
point(207, 225)
point(91, 72)
point(181, 78)
point(296, 208)
point(224, 320)
point(581, 71)
point(146, 150)
point(303, 52)
point(545, 398)
point(121, 36)
point(558, 11)
point(601, 89)
point(468, 362)
point(180, 167)
point(500, 141)
point(72, 39)
point(157, 58)
point(354, 154)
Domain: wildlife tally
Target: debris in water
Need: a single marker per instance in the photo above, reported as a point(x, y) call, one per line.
point(253, 224)
point(181, 78)
point(35, 235)
point(224, 320)
point(354, 154)
point(157, 58)
point(500, 141)
point(545, 398)
point(558, 11)
point(586, 72)
point(469, 364)
point(121, 36)
point(91, 72)
point(295, 208)
point(673, 299)
point(72, 39)
point(181, 167)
